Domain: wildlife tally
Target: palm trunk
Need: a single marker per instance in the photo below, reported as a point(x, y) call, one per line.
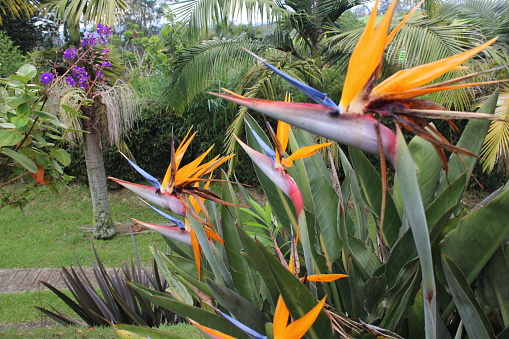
point(102, 220)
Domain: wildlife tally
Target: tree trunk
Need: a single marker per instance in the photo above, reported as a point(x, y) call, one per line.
point(102, 221)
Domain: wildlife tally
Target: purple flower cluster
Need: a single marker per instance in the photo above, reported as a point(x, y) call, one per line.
point(104, 31)
point(92, 60)
point(70, 53)
point(46, 78)
point(81, 74)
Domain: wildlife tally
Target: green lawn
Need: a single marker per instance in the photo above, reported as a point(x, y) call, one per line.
point(183, 330)
point(50, 231)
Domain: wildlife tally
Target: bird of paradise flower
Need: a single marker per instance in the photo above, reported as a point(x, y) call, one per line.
point(181, 193)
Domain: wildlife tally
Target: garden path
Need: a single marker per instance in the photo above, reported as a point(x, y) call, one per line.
point(18, 280)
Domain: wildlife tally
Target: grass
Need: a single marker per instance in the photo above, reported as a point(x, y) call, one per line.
point(49, 233)
point(52, 232)
point(183, 330)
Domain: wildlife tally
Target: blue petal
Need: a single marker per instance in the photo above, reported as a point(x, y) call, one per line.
point(266, 148)
point(153, 181)
point(249, 331)
point(319, 97)
point(174, 220)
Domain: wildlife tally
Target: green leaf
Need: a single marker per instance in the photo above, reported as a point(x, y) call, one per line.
point(253, 254)
point(187, 311)
point(27, 71)
point(478, 235)
point(185, 270)
point(414, 209)
point(23, 110)
point(238, 306)
point(142, 332)
point(19, 100)
point(361, 223)
point(497, 273)
point(175, 287)
point(371, 184)
point(319, 195)
point(10, 138)
point(61, 155)
point(297, 297)
point(474, 319)
point(20, 159)
point(472, 140)
point(240, 270)
point(19, 121)
point(217, 265)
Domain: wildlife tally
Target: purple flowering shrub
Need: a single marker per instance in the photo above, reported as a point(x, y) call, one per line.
point(85, 65)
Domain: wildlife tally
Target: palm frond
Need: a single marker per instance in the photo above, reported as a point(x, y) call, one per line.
point(488, 16)
point(18, 8)
point(200, 66)
point(89, 11)
point(203, 14)
point(496, 144)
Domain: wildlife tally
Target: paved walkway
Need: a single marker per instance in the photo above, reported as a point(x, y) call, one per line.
point(27, 279)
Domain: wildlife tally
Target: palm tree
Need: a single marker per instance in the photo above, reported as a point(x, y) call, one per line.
point(18, 8)
point(73, 13)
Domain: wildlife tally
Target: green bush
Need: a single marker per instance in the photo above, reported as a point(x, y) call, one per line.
point(10, 56)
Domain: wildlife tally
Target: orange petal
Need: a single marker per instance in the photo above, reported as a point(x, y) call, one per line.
point(213, 235)
point(303, 152)
point(281, 315)
point(282, 134)
point(299, 327)
point(417, 76)
point(324, 277)
point(211, 332)
point(366, 56)
point(412, 93)
point(179, 154)
point(196, 251)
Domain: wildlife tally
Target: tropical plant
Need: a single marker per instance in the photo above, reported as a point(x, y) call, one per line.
point(31, 140)
point(87, 99)
point(408, 272)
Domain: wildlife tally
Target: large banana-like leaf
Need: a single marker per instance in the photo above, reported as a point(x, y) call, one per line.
point(472, 315)
point(187, 311)
point(238, 306)
point(297, 297)
point(478, 235)
point(319, 196)
point(497, 280)
point(472, 140)
point(231, 219)
point(371, 184)
point(414, 209)
point(252, 252)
